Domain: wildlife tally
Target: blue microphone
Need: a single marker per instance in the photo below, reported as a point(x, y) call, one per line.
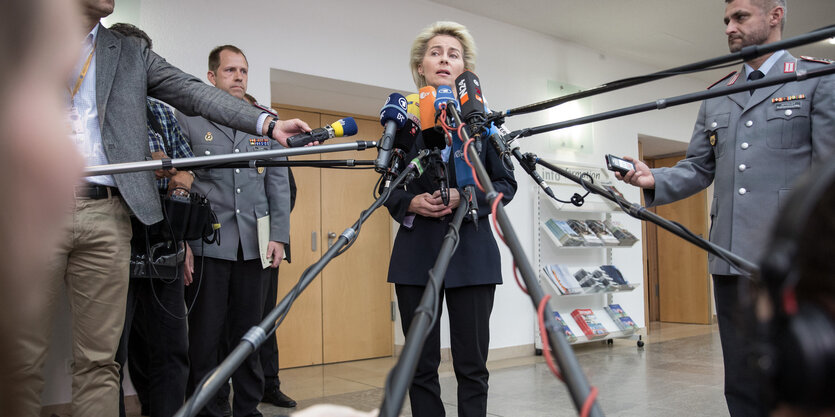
point(444, 95)
point(393, 118)
point(463, 173)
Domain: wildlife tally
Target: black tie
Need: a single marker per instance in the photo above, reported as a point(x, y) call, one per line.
point(754, 76)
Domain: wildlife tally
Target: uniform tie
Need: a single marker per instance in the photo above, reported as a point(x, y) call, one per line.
point(754, 76)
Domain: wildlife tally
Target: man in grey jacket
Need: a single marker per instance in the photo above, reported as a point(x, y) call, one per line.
point(107, 97)
point(752, 146)
point(229, 301)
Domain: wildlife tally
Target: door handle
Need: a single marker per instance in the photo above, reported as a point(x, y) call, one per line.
point(313, 241)
point(331, 238)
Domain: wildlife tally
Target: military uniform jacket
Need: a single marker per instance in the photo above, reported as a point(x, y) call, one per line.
point(755, 147)
point(239, 196)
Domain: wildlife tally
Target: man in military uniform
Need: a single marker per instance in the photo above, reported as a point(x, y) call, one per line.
point(232, 274)
point(755, 144)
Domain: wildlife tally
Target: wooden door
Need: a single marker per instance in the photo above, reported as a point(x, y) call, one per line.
point(356, 300)
point(300, 335)
point(683, 279)
point(345, 313)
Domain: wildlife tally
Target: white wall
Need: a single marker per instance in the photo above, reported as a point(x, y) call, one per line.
point(368, 41)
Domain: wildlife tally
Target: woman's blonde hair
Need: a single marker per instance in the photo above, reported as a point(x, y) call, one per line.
point(457, 31)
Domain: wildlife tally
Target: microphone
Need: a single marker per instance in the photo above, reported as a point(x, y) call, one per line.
point(393, 118)
point(404, 139)
point(470, 97)
point(431, 137)
point(337, 129)
point(463, 174)
point(445, 95)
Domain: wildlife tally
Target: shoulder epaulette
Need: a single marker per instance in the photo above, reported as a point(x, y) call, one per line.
point(818, 60)
point(721, 79)
point(266, 109)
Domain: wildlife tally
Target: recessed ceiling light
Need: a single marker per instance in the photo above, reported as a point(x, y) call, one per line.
point(832, 41)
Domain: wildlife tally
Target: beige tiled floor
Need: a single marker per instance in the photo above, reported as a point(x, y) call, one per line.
point(678, 371)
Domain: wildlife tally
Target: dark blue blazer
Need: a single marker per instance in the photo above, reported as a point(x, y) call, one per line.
point(476, 260)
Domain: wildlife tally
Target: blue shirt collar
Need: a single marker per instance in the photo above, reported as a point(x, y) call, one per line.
point(766, 66)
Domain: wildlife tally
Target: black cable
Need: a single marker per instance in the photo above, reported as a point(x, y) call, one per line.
point(374, 191)
point(577, 199)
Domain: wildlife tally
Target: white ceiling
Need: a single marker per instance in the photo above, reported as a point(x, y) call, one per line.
point(662, 33)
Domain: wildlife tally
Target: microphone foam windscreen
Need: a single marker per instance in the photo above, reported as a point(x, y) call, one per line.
point(469, 94)
point(427, 107)
point(344, 127)
point(394, 109)
point(444, 95)
point(413, 108)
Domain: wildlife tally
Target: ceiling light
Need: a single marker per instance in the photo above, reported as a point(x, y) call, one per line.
point(832, 41)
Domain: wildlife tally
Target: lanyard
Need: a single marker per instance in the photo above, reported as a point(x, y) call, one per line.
point(83, 74)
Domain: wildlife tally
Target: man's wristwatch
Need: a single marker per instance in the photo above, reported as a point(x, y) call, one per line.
point(270, 128)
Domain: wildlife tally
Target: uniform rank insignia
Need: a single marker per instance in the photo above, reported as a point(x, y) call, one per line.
point(260, 170)
point(259, 142)
point(788, 98)
point(711, 136)
point(208, 137)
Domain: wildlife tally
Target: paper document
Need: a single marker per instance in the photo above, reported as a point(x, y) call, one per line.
point(263, 224)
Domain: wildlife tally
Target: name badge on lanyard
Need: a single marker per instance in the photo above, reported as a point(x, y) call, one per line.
point(78, 119)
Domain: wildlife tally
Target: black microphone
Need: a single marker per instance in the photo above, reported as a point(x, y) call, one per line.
point(470, 98)
point(393, 118)
point(404, 139)
point(337, 129)
point(441, 176)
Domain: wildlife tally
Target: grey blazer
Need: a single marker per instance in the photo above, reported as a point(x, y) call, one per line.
point(127, 71)
point(755, 147)
point(239, 196)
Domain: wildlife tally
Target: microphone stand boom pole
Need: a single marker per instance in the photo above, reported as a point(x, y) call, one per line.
point(642, 213)
point(749, 52)
point(199, 162)
point(677, 101)
point(253, 339)
point(325, 163)
point(400, 377)
point(578, 386)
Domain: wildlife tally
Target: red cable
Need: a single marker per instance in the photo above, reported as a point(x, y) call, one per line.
point(467, 160)
point(546, 351)
point(589, 402)
point(493, 211)
point(518, 282)
point(546, 346)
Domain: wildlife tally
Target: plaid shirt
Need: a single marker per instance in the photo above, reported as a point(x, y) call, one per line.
point(172, 141)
